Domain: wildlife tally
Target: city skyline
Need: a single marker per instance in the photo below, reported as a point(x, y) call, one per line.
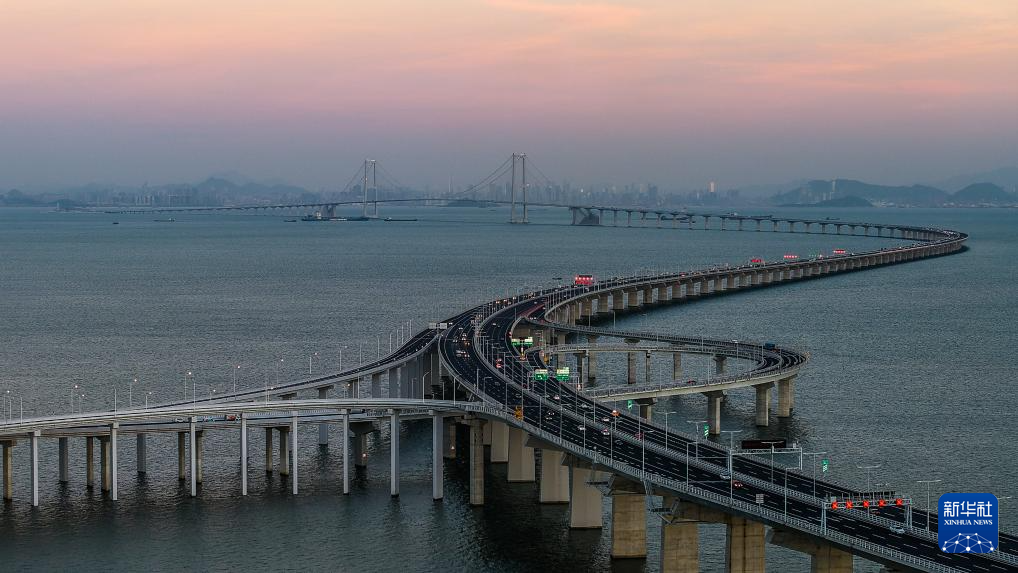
point(679, 96)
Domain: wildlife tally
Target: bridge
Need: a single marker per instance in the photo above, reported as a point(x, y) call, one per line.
point(465, 375)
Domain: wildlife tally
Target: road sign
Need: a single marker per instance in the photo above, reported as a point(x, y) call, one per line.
point(759, 499)
point(825, 464)
point(706, 430)
point(519, 412)
point(629, 404)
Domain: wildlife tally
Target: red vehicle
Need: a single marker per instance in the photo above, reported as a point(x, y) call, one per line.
point(839, 251)
point(756, 261)
point(583, 280)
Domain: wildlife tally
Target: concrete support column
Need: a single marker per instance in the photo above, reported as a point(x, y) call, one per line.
point(554, 477)
point(584, 500)
point(499, 442)
point(191, 433)
point(33, 445)
point(437, 462)
point(323, 428)
point(360, 445)
point(476, 463)
point(243, 453)
point(521, 457)
point(676, 366)
point(617, 303)
point(284, 451)
point(763, 403)
point(719, 363)
point(293, 453)
point(591, 366)
point(631, 367)
point(181, 455)
point(714, 399)
point(141, 453)
point(828, 559)
point(114, 489)
point(579, 364)
point(376, 385)
point(680, 545)
point(646, 407)
point(268, 450)
point(8, 469)
point(64, 458)
point(744, 546)
point(394, 453)
point(345, 433)
point(646, 369)
point(104, 463)
point(663, 294)
point(89, 462)
point(785, 398)
point(629, 526)
point(394, 382)
point(199, 455)
point(449, 446)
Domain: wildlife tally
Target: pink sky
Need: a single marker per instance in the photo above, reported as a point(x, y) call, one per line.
point(670, 92)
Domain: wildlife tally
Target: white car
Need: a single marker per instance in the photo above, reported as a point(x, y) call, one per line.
point(898, 529)
point(725, 474)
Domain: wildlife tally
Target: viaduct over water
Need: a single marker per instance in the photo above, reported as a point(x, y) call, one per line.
point(465, 375)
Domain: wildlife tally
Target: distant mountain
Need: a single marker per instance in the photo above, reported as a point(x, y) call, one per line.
point(1005, 177)
point(817, 191)
point(850, 201)
point(983, 194)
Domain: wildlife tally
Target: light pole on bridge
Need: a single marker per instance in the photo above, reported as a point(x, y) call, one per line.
point(928, 482)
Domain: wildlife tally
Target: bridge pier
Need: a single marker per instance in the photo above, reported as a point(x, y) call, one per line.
point(719, 363)
point(104, 464)
point(584, 499)
point(680, 542)
point(744, 546)
point(631, 368)
point(786, 391)
point(63, 457)
point(7, 448)
point(243, 453)
point(437, 461)
point(676, 366)
point(591, 367)
point(714, 399)
point(521, 457)
point(499, 442)
point(629, 520)
point(394, 453)
point(646, 369)
point(200, 455)
point(476, 462)
point(646, 407)
point(449, 449)
point(293, 454)
point(268, 450)
point(323, 428)
point(824, 557)
point(194, 481)
point(33, 445)
point(393, 374)
point(763, 403)
point(114, 474)
point(360, 443)
point(284, 450)
point(141, 453)
point(554, 477)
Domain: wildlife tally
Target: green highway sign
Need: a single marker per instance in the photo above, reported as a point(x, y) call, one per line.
point(706, 430)
point(825, 464)
point(629, 404)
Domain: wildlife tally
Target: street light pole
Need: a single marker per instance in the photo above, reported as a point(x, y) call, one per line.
point(928, 482)
point(666, 429)
point(696, 433)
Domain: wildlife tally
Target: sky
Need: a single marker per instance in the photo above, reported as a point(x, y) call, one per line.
point(675, 93)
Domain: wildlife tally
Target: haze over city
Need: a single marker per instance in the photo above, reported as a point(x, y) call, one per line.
point(675, 93)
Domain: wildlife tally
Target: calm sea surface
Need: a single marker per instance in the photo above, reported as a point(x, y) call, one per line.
point(913, 368)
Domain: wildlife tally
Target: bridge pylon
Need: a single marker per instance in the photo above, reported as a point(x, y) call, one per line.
point(520, 164)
